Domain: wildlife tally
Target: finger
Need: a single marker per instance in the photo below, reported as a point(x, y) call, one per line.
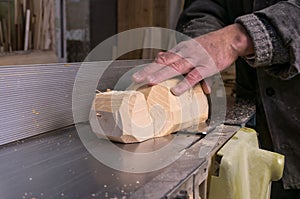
point(141, 75)
point(189, 81)
point(206, 85)
point(179, 67)
point(160, 76)
point(167, 58)
point(162, 59)
point(195, 76)
point(181, 87)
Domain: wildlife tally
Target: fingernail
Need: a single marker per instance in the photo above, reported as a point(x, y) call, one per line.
point(180, 88)
point(175, 91)
point(205, 87)
point(206, 90)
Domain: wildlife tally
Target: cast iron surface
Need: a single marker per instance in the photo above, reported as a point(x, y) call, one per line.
point(57, 165)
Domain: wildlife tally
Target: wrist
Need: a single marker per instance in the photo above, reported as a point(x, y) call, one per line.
point(241, 41)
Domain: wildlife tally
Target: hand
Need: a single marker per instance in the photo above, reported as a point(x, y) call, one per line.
point(198, 58)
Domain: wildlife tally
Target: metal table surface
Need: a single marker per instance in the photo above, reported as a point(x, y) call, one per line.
point(57, 165)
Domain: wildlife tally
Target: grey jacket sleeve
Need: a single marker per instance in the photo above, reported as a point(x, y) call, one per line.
point(201, 17)
point(275, 32)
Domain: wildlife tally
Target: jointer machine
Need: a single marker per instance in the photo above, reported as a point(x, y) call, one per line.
point(44, 155)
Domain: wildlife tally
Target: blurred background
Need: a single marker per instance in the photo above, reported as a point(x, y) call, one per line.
point(66, 30)
point(50, 31)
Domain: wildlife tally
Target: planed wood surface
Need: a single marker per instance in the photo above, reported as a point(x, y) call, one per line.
point(29, 57)
point(148, 112)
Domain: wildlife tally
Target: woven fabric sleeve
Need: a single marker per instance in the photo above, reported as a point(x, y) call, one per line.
point(275, 34)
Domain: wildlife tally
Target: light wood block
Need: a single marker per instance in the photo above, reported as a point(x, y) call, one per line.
point(148, 112)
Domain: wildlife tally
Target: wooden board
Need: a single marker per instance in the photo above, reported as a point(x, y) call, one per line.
point(35, 57)
point(141, 13)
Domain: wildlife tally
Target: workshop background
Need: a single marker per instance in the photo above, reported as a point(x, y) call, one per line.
point(74, 27)
point(50, 31)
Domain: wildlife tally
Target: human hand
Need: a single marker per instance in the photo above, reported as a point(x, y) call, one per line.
point(198, 58)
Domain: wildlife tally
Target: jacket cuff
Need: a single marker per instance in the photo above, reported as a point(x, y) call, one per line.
point(261, 39)
point(268, 46)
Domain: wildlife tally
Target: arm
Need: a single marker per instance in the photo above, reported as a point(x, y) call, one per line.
point(275, 33)
point(278, 31)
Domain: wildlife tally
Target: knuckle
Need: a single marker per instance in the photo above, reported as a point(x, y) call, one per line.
point(163, 57)
point(194, 76)
point(181, 66)
point(178, 66)
point(160, 58)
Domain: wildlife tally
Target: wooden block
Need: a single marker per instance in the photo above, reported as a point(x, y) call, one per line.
point(149, 112)
point(123, 116)
point(175, 113)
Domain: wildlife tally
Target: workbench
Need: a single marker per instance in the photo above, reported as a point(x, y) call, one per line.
point(56, 164)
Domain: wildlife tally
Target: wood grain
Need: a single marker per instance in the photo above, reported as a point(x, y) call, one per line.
point(142, 13)
point(148, 112)
point(27, 26)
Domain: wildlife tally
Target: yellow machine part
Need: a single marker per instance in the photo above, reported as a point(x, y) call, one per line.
point(245, 171)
